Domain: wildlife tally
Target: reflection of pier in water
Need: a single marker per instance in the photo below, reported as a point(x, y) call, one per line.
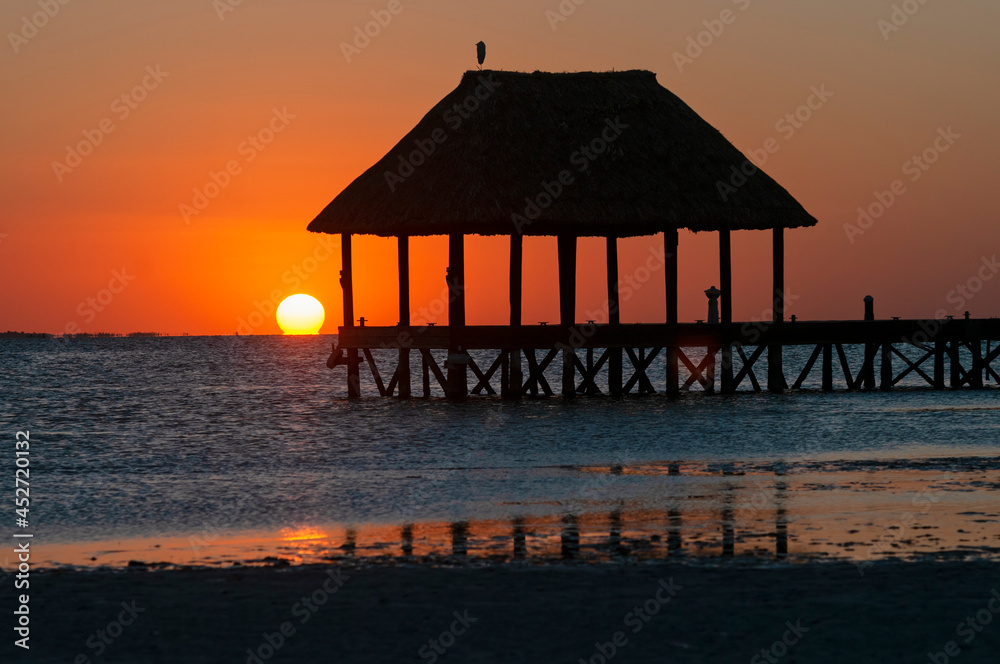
point(739, 525)
point(768, 511)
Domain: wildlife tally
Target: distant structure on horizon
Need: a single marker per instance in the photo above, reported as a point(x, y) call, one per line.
point(612, 155)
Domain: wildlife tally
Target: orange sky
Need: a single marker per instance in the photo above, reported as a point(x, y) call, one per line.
point(206, 84)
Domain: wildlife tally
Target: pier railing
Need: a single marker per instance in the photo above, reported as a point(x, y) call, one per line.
point(595, 359)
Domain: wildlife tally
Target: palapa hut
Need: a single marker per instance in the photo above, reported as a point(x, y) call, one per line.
point(610, 154)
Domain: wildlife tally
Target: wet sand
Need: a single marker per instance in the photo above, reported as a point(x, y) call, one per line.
point(690, 612)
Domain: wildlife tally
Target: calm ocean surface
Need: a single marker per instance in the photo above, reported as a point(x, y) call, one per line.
point(146, 437)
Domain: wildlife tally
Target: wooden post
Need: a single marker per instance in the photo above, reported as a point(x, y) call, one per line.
point(404, 313)
point(670, 243)
point(347, 284)
point(775, 372)
point(514, 376)
point(567, 307)
point(726, 308)
point(868, 368)
point(940, 350)
point(614, 318)
point(458, 385)
point(885, 382)
point(976, 373)
point(427, 376)
point(710, 369)
point(726, 276)
point(827, 367)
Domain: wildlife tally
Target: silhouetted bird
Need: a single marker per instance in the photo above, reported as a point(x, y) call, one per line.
point(481, 53)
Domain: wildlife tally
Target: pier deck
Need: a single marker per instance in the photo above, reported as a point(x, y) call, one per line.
point(943, 353)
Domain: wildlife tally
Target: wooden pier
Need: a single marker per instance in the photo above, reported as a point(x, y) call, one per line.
point(853, 355)
point(611, 155)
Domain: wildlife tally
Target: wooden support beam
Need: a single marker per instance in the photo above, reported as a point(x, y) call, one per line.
point(567, 307)
point(670, 242)
point(425, 365)
point(640, 377)
point(726, 309)
point(347, 285)
point(955, 365)
point(403, 260)
point(403, 369)
point(846, 368)
point(991, 355)
point(375, 374)
point(458, 380)
point(536, 372)
point(976, 372)
point(697, 372)
point(513, 367)
point(614, 318)
point(504, 374)
point(913, 366)
point(588, 373)
point(885, 380)
point(431, 364)
point(710, 369)
point(827, 368)
point(645, 386)
point(485, 377)
point(808, 367)
point(726, 276)
point(775, 369)
point(747, 369)
point(390, 388)
point(867, 377)
point(940, 350)
point(516, 276)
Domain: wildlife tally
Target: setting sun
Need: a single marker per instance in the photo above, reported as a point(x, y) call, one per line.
point(300, 314)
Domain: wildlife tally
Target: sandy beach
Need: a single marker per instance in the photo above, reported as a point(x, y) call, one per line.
point(663, 612)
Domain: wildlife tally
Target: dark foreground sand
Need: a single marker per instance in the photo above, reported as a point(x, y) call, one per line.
point(388, 613)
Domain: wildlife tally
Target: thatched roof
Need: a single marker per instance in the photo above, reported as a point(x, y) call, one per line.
point(662, 166)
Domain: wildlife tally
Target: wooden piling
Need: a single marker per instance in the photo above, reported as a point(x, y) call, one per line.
point(426, 375)
point(827, 367)
point(542, 344)
point(670, 245)
point(976, 371)
point(403, 246)
point(458, 382)
point(885, 381)
point(726, 308)
point(775, 369)
point(868, 366)
point(567, 307)
point(614, 318)
point(710, 369)
point(940, 350)
point(347, 285)
point(515, 378)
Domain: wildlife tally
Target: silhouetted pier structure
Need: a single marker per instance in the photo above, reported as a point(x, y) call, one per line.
point(610, 155)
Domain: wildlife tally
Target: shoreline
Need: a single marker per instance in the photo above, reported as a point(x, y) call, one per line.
point(892, 612)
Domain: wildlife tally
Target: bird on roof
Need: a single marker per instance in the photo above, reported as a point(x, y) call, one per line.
point(481, 53)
